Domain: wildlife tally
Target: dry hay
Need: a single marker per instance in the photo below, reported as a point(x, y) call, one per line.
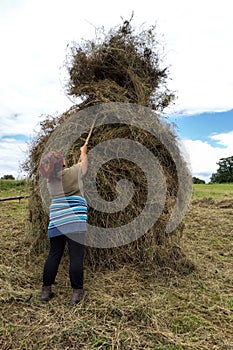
point(208, 202)
point(128, 308)
point(204, 202)
point(122, 69)
point(121, 66)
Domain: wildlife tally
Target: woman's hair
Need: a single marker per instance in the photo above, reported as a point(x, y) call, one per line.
point(51, 165)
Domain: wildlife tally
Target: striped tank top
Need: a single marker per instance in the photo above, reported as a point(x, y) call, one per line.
point(68, 214)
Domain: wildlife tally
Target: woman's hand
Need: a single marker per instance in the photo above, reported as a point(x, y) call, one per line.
point(83, 149)
point(83, 159)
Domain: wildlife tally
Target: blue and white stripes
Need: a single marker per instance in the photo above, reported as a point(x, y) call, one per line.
point(68, 214)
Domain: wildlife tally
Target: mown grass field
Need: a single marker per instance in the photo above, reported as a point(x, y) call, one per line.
point(133, 307)
point(215, 191)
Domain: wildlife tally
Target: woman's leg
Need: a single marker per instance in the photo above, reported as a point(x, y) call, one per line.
point(57, 246)
point(76, 254)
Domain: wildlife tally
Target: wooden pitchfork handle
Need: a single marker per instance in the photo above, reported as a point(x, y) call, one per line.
point(89, 135)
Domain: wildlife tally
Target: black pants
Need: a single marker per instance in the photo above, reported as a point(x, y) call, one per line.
point(76, 255)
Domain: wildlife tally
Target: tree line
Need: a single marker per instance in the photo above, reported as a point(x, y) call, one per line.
point(224, 173)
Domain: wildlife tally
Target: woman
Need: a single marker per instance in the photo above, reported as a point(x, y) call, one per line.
point(67, 220)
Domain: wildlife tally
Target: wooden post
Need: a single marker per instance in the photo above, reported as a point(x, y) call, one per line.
point(12, 198)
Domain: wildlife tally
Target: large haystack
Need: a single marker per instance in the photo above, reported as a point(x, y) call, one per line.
point(122, 67)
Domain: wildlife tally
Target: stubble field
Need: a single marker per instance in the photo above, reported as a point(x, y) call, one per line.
point(133, 307)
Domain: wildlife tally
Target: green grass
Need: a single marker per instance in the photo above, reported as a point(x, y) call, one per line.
point(215, 191)
point(13, 187)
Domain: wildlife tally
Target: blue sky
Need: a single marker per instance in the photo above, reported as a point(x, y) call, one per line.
point(203, 126)
point(206, 137)
point(199, 126)
point(196, 40)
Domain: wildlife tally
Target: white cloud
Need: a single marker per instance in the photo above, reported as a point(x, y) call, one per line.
point(13, 155)
point(204, 157)
point(201, 54)
point(197, 39)
point(224, 139)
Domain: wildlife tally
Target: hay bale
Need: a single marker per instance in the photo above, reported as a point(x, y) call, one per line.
point(123, 69)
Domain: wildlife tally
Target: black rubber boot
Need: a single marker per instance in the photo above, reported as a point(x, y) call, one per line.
point(46, 294)
point(77, 296)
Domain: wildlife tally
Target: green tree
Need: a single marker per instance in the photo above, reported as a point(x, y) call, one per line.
point(196, 180)
point(7, 177)
point(224, 173)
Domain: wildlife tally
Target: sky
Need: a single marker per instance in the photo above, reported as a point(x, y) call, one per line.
point(197, 41)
